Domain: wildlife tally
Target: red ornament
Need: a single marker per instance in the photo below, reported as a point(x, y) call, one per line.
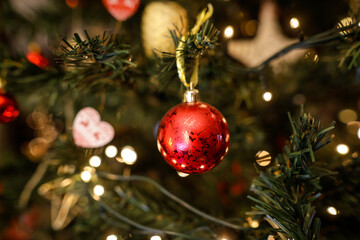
point(8, 108)
point(121, 9)
point(193, 137)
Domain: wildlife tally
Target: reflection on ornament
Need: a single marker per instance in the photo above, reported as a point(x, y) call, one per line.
point(342, 149)
point(268, 40)
point(111, 237)
point(332, 211)
point(229, 32)
point(263, 158)
point(294, 23)
point(158, 19)
point(267, 96)
point(270, 237)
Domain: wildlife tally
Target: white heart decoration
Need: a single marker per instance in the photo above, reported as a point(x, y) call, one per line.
point(89, 131)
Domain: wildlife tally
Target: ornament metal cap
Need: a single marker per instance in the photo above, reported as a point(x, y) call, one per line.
point(191, 95)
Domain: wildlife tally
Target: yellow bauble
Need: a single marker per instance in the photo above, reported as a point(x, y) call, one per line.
point(157, 20)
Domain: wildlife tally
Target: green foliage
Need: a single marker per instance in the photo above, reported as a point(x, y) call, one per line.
point(97, 60)
point(287, 190)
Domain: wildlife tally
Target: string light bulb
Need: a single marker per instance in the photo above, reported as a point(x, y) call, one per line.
point(254, 224)
point(358, 133)
point(111, 237)
point(111, 151)
point(343, 149)
point(181, 174)
point(95, 161)
point(332, 211)
point(99, 190)
point(86, 176)
point(294, 23)
point(267, 96)
point(229, 32)
point(128, 155)
point(155, 237)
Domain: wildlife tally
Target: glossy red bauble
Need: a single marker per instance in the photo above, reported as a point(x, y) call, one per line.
point(8, 108)
point(121, 9)
point(193, 137)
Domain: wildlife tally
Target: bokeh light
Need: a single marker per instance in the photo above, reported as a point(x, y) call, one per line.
point(99, 190)
point(95, 161)
point(267, 96)
point(111, 151)
point(342, 149)
point(229, 32)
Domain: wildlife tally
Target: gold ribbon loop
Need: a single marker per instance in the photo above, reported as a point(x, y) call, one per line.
point(201, 18)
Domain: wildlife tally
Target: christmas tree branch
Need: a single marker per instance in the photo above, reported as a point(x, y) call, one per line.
point(115, 177)
point(285, 192)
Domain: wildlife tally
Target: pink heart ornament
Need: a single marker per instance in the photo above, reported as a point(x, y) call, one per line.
point(89, 131)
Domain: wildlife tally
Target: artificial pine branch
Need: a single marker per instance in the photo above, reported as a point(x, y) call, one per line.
point(95, 60)
point(285, 192)
point(196, 44)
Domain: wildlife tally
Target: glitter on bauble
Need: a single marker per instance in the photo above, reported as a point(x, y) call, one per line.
point(193, 137)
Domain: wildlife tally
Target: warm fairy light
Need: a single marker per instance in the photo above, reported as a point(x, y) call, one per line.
point(155, 237)
point(267, 96)
point(358, 133)
point(223, 238)
point(332, 211)
point(294, 23)
point(95, 161)
point(86, 176)
point(111, 237)
point(342, 149)
point(254, 224)
point(271, 237)
point(111, 151)
point(128, 155)
point(347, 115)
point(99, 190)
point(229, 32)
point(181, 174)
